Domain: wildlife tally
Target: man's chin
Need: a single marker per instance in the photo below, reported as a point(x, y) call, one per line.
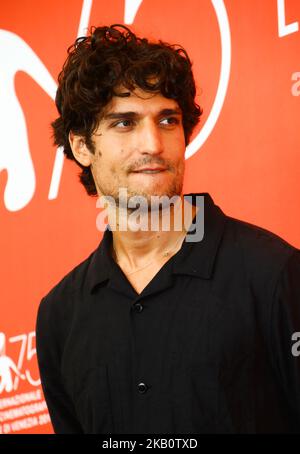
point(152, 200)
point(145, 198)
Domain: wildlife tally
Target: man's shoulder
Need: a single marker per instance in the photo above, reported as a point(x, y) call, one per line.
point(61, 292)
point(262, 249)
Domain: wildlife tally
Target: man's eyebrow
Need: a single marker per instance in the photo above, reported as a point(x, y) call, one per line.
point(119, 115)
point(166, 112)
point(130, 114)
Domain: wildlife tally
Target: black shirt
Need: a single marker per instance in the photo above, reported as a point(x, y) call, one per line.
point(205, 347)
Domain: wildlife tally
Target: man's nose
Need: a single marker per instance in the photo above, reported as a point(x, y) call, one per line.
point(150, 139)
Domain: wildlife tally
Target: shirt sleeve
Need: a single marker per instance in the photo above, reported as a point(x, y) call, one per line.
point(60, 407)
point(285, 328)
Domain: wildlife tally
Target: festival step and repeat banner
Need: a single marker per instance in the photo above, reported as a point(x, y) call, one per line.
point(245, 151)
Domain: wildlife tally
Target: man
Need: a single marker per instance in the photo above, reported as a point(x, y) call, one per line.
point(155, 332)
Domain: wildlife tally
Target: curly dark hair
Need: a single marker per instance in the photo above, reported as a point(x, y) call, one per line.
point(109, 57)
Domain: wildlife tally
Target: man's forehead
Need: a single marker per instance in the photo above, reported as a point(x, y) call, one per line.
point(139, 99)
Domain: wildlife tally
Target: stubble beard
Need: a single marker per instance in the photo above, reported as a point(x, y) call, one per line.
point(174, 189)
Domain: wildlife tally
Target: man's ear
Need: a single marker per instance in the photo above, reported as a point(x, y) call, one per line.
point(79, 149)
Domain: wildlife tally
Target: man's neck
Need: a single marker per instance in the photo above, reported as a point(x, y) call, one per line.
point(133, 248)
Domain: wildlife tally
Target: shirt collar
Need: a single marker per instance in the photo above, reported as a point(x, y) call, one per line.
point(197, 258)
point(194, 258)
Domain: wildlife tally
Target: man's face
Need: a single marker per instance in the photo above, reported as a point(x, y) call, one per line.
point(139, 145)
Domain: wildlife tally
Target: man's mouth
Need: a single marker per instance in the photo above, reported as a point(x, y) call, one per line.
point(150, 170)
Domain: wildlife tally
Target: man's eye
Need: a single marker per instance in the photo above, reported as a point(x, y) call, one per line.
point(170, 121)
point(123, 124)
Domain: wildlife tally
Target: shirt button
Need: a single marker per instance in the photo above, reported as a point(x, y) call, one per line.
point(142, 388)
point(138, 307)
